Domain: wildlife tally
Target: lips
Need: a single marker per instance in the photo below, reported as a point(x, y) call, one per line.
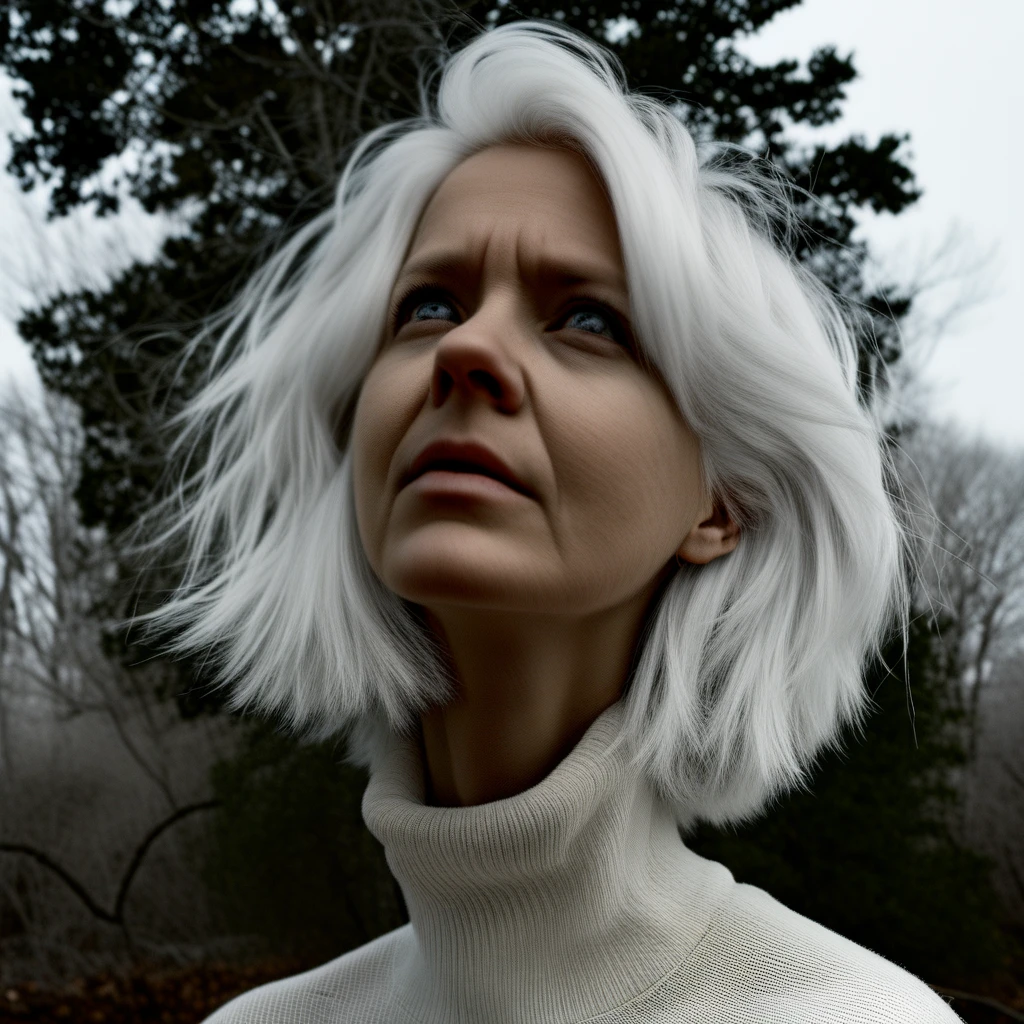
point(466, 457)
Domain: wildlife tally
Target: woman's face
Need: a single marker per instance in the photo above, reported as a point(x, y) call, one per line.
point(500, 351)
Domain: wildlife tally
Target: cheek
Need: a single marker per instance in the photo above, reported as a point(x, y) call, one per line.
point(635, 474)
point(383, 412)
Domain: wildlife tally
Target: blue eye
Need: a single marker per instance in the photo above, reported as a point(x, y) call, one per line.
point(435, 302)
point(588, 313)
point(426, 295)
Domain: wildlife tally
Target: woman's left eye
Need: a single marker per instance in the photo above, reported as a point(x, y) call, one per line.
point(595, 312)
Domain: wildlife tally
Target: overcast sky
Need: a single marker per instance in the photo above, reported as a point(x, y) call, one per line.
point(946, 71)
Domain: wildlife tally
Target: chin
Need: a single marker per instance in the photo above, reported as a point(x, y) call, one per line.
point(461, 574)
point(444, 583)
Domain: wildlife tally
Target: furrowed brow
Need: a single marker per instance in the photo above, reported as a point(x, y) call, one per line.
point(550, 270)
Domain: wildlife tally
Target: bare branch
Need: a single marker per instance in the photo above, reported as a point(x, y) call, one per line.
point(115, 916)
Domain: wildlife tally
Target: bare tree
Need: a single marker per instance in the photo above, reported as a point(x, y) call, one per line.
point(970, 497)
point(89, 756)
point(949, 281)
point(1000, 796)
point(54, 570)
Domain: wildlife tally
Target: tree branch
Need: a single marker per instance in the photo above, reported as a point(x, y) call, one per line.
point(115, 916)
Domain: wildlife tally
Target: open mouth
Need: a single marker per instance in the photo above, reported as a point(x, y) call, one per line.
point(463, 458)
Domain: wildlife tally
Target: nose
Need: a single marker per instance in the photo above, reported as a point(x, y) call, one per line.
point(472, 365)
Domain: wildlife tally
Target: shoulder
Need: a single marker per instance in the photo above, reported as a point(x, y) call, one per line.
point(355, 986)
point(795, 970)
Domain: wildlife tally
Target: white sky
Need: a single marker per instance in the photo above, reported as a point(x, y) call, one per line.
point(947, 71)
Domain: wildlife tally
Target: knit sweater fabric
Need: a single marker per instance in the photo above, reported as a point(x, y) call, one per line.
point(575, 901)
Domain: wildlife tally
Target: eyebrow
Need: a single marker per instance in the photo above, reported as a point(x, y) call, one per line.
point(550, 270)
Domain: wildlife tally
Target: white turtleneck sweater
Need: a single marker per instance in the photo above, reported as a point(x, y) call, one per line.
point(575, 901)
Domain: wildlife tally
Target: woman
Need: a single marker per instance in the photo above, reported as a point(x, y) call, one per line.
point(544, 479)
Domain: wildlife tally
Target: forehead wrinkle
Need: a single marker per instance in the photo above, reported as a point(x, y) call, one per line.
point(558, 269)
point(551, 269)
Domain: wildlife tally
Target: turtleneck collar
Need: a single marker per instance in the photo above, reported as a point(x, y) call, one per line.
point(554, 905)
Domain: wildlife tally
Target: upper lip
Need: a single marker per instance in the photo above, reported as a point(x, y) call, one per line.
point(468, 456)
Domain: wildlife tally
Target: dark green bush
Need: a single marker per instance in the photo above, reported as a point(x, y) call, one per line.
point(289, 859)
point(871, 852)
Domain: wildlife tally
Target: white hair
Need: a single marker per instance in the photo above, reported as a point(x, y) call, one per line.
point(747, 666)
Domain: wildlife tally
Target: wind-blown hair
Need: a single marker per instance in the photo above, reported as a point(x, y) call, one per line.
point(748, 666)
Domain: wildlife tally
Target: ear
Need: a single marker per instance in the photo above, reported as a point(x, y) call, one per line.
point(710, 539)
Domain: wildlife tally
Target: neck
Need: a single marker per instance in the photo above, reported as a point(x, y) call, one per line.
point(555, 905)
point(529, 688)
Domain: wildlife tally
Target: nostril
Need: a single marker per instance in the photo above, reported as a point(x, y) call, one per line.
point(475, 372)
point(486, 380)
point(441, 385)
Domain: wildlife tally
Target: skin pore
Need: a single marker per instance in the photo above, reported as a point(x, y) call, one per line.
point(539, 598)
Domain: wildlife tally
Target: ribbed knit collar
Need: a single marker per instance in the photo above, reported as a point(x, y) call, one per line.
point(550, 906)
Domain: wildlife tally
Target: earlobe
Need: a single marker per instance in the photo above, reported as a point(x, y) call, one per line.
point(710, 539)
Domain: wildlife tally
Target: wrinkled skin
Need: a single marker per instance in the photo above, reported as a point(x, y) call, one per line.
point(538, 597)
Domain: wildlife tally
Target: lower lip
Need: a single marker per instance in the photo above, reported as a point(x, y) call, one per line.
point(446, 481)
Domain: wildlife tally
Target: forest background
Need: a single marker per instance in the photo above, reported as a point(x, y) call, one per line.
point(158, 852)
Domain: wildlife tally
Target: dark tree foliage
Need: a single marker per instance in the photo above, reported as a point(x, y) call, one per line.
point(285, 850)
point(241, 115)
point(239, 121)
point(238, 117)
point(870, 851)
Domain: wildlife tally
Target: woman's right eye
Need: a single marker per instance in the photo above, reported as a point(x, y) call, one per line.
point(418, 298)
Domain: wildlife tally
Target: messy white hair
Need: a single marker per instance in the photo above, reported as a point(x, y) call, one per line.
point(748, 666)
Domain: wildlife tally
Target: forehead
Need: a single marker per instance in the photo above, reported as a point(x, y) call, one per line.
point(535, 201)
point(513, 167)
